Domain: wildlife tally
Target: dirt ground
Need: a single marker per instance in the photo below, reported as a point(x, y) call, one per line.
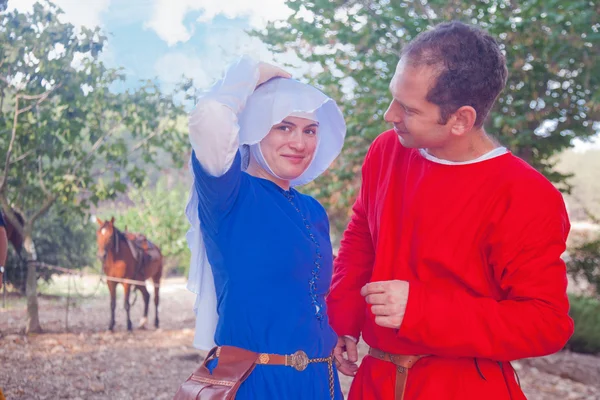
point(88, 362)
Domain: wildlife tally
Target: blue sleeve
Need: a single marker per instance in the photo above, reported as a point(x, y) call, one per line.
point(216, 194)
point(2, 223)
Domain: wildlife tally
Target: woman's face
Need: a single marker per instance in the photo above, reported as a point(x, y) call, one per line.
point(290, 146)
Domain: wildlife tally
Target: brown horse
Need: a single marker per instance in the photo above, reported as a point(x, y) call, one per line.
point(12, 232)
point(126, 260)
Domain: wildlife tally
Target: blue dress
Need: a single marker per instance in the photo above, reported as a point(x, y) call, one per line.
point(271, 258)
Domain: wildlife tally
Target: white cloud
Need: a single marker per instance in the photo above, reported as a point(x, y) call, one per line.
point(259, 12)
point(171, 66)
point(78, 12)
point(168, 15)
point(219, 48)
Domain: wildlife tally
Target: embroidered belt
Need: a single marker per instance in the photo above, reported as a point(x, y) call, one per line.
point(299, 361)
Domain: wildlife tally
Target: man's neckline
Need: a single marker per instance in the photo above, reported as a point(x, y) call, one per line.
point(497, 152)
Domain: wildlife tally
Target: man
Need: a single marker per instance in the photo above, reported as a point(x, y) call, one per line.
point(450, 267)
point(3, 247)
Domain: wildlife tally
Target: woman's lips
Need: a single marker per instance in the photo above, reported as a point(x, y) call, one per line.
point(293, 159)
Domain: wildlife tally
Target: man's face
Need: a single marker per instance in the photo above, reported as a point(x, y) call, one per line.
point(415, 120)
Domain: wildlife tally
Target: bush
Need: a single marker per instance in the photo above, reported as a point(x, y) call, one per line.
point(585, 311)
point(584, 263)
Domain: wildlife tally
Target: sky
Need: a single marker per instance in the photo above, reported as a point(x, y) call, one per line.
point(168, 39)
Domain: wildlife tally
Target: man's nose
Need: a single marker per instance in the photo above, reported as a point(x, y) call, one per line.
point(394, 114)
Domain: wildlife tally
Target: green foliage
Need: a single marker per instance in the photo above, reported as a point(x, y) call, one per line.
point(74, 137)
point(584, 263)
point(585, 312)
point(158, 213)
point(62, 238)
point(551, 49)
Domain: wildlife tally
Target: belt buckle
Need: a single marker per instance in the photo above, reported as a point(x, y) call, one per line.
point(299, 360)
point(263, 358)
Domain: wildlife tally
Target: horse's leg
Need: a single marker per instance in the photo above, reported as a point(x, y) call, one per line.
point(156, 280)
point(112, 288)
point(126, 290)
point(146, 295)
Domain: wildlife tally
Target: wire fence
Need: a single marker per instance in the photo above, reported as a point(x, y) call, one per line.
point(72, 283)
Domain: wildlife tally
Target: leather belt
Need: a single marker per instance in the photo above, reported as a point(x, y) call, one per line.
point(299, 361)
point(402, 362)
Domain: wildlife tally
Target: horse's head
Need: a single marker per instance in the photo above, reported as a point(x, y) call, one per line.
point(105, 236)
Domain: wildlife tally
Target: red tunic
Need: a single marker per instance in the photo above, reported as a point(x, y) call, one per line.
point(480, 245)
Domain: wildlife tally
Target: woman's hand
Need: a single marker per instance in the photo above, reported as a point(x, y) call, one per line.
point(269, 71)
point(346, 366)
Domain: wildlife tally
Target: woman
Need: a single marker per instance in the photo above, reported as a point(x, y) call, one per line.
point(261, 253)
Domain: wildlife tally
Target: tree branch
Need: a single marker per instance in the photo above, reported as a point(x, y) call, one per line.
point(21, 157)
point(40, 98)
point(45, 207)
point(20, 191)
point(143, 142)
point(94, 148)
point(109, 167)
point(10, 146)
point(41, 178)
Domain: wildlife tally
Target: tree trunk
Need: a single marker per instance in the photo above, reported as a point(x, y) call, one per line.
point(33, 319)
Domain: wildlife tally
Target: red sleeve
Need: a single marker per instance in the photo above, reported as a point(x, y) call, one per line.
point(524, 250)
point(352, 269)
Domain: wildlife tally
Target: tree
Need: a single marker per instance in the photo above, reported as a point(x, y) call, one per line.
point(68, 138)
point(551, 48)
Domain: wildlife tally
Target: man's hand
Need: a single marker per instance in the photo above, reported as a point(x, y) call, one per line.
point(388, 301)
point(346, 366)
point(269, 71)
